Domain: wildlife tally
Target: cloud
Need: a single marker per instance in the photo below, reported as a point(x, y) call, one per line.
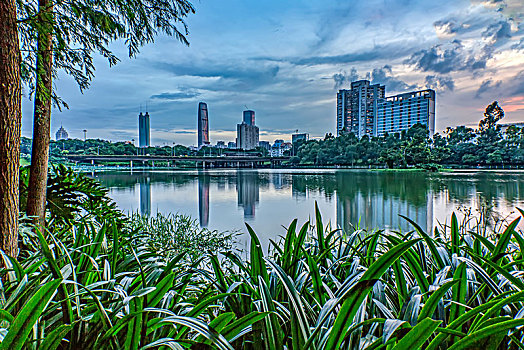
point(440, 83)
point(518, 83)
point(486, 86)
point(448, 27)
point(450, 57)
point(343, 78)
point(175, 96)
point(209, 69)
point(497, 33)
point(385, 76)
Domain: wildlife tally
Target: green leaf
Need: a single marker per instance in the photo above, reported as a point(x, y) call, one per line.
point(273, 328)
point(360, 291)
point(457, 308)
point(162, 288)
point(298, 308)
point(231, 331)
point(455, 239)
point(472, 340)
point(53, 339)
point(25, 320)
point(429, 242)
point(418, 335)
point(258, 265)
point(503, 241)
point(431, 304)
point(201, 328)
point(316, 280)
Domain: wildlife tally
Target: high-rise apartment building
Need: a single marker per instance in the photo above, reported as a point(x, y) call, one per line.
point(61, 134)
point(364, 110)
point(203, 125)
point(144, 134)
point(247, 132)
point(357, 107)
point(299, 137)
point(401, 112)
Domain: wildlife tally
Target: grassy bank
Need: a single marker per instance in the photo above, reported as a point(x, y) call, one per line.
point(99, 279)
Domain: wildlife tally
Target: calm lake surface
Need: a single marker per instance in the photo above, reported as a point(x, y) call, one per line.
point(267, 199)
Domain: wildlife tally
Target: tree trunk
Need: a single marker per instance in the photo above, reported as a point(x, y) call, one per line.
point(36, 197)
point(10, 122)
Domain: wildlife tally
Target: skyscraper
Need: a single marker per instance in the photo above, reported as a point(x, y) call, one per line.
point(247, 132)
point(401, 112)
point(249, 117)
point(144, 135)
point(357, 108)
point(61, 134)
point(203, 125)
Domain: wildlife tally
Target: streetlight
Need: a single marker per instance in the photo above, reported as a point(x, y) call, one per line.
point(174, 144)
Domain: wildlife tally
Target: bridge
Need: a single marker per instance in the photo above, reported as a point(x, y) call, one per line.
point(201, 161)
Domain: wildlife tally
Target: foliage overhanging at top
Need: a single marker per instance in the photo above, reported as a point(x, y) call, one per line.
point(82, 27)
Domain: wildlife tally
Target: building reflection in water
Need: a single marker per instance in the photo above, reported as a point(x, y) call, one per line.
point(376, 201)
point(248, 192)
point(203, 198)
point(144, 183)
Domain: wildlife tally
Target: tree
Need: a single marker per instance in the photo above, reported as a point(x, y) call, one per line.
point(10, 123)
point(492, 115)
point(63, 35)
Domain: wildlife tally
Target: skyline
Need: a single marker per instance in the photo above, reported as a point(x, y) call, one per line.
point(293, 57)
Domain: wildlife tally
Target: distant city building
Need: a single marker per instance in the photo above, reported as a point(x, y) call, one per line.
point(279, 147)
point(264, 144)
point(278, 143)
point(356, 108)
point(203, 125)
point(299, 137)
point(365, 110)
point(144, 134)
point(61, 134)
point(401, 112)
point(231, 144)
point(249, 117)
point(221, 144)
point(247, 134)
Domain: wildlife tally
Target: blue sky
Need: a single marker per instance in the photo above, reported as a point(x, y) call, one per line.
point(286, 59)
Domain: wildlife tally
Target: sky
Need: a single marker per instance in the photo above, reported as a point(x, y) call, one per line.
point(286, 59)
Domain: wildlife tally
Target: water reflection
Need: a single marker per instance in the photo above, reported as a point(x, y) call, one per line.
point(248, 184)
point(203, 198)
point(224, 199)
point(145, 195)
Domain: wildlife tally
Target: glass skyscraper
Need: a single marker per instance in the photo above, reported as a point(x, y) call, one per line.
point(249, 117)
point(203, 125)
point(144, 135)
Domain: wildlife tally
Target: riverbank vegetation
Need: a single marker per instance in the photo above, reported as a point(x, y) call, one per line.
point(96, 278)
point(490, 145)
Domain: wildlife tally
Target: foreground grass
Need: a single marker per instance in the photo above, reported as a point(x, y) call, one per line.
point(101, 283)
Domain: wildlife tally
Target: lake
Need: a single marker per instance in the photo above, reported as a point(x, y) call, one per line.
point(268, 199)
